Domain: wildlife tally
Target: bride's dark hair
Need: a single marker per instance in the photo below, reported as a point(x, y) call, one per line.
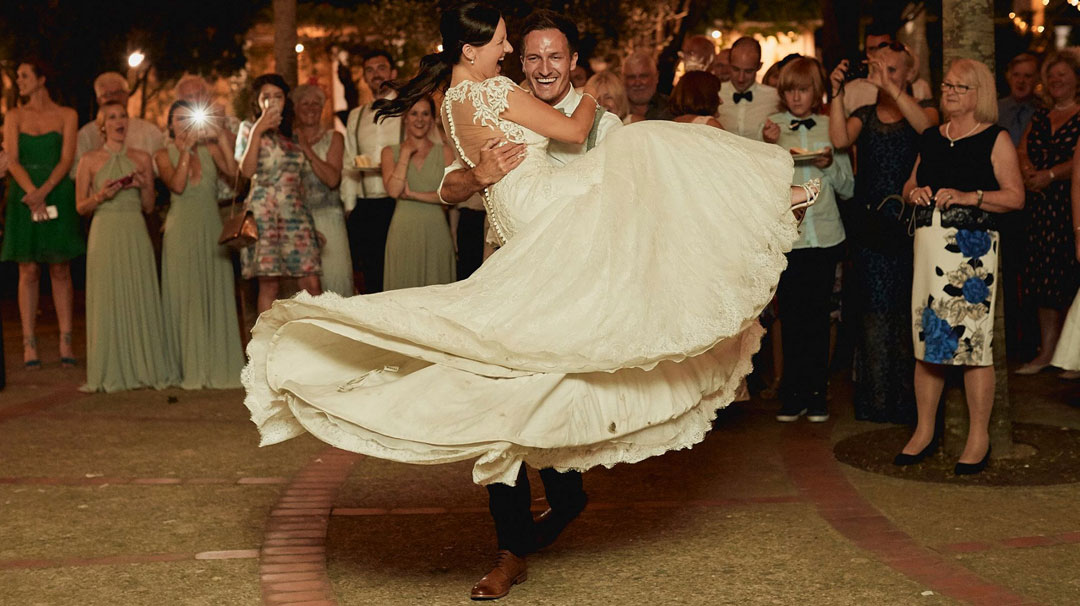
point(470, 23)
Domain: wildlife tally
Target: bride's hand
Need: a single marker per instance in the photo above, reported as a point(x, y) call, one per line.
point(497, 160)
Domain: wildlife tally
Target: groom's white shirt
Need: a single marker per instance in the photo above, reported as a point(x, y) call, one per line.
point(558, 151)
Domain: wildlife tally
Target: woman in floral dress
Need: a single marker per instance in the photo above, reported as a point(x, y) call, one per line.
point(967, 173)
point(269, 155)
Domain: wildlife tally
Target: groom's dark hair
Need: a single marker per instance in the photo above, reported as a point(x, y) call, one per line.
point(549, 19)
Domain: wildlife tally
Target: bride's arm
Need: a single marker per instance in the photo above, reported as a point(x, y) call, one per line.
point(541, 118)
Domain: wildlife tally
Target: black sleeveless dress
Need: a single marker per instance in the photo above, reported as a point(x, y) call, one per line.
point(956, 254)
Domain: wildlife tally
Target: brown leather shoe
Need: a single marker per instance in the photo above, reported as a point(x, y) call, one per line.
point(509, 570)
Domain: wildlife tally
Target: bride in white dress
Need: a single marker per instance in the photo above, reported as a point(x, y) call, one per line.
point(618, 316)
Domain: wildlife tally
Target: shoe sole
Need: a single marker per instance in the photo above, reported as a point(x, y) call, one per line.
point(817, 418)
point(521, 578)
point(789, 418)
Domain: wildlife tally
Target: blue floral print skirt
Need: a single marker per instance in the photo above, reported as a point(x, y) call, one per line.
point(952, 294)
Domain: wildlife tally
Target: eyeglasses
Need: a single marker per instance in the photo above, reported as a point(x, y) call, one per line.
point(893, 46)
point(960, 89)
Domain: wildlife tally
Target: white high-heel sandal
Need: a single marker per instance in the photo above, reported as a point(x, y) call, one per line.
point(813, 190)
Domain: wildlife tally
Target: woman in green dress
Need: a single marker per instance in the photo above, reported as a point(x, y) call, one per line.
point(42, 225)
point(197, 288)
point(419, 249)
point(125, 335)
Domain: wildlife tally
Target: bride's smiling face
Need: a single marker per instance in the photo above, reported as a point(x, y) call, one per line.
point(486, 58)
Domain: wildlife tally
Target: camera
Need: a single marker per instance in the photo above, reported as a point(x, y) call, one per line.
point(858, 68)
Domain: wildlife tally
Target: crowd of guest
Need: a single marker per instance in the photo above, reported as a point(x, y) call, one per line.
point(926, 208)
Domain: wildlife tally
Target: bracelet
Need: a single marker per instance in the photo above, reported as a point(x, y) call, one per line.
point(979, 193)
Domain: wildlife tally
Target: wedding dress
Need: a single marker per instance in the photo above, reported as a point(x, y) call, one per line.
point(618, 316)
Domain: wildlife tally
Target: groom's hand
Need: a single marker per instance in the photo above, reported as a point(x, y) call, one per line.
point(497, 160)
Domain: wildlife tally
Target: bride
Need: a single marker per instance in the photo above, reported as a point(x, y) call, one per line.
point(618, 315)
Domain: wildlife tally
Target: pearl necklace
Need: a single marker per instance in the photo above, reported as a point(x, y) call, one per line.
point(952, 142)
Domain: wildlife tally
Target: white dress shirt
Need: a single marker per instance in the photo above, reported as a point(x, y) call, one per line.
point(368, 138)
point(141, 134)
point(561, 153)
point(747, 118)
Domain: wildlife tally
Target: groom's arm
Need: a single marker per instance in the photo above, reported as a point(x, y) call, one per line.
point(459, 183)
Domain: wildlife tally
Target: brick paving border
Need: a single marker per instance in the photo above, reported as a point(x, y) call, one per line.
point(813, 468)
point(61, 395)
point(292, 560)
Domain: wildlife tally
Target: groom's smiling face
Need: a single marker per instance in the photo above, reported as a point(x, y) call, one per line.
point(547, 62)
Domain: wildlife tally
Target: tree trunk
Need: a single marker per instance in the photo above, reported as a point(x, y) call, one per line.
point(285, 40)
point(968, 32)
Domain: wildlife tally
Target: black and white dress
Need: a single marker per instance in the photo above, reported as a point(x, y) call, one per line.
point(956, 254)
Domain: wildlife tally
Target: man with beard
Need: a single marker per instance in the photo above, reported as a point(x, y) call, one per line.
point(368, 209)
point(548, 57)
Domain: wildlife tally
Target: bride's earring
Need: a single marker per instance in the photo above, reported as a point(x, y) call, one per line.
point(472, 61)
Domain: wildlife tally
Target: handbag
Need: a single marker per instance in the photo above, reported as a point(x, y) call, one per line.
point(904, 208)
point(239, 230)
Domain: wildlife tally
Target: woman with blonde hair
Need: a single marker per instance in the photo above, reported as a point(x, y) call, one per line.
point(320, 177)
point(1046, 158)
point(607, 87)
point(966, 175)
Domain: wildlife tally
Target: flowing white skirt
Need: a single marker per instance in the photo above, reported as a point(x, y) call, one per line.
point(608, 329)
point(1067, 353)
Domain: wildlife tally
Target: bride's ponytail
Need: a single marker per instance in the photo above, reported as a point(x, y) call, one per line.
point(434, 73)
point(471, 23)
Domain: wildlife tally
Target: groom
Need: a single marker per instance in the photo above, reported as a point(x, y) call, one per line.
point(548, 55)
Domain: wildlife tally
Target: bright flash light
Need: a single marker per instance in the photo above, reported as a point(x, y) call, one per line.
point(438, 48)
point(299, 47)
point(136, 58)
point(199, 116)
point(715, 34)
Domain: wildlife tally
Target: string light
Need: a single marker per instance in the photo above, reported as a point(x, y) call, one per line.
point(299, 47)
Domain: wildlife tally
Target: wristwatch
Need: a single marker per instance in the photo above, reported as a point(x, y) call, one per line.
point(979, 193)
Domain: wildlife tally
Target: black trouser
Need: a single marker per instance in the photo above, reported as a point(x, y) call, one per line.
point(470, 241)
point(805, 300)
point(367, 226)
point(509, 506)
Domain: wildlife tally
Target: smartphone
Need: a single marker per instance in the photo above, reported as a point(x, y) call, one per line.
point(49, 214)
point(125, 180)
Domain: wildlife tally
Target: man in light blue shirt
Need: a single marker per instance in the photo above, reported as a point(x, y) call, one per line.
point(1016, 110)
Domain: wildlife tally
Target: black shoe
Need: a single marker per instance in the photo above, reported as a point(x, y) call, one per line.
point(790, 412)
point(551, 523)
point(904, 459)
point(818, 414)
point(970, 469)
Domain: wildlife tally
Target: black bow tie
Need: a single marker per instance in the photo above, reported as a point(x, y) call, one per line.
point(748, 95)
point(808, 123)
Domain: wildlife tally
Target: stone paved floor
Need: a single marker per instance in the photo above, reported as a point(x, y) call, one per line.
point(164, 498)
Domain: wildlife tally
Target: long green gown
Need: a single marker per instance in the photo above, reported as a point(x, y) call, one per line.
point(52, 241)
point(197, 288)
point(125, 335)
point(419, 250)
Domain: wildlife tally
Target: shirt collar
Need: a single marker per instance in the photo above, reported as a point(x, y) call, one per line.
point(570, 101)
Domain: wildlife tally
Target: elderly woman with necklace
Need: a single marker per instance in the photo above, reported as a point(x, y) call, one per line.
point(967, 174)
point(1046, 157)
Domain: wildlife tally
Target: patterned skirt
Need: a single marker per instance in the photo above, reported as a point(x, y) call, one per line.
point(952, 294)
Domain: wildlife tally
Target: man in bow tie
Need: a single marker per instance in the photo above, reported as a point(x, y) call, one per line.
point(746, 104)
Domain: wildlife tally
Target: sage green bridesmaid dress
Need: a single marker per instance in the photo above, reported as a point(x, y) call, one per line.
point(419, 249)
point(197, 287)
point(125, 336)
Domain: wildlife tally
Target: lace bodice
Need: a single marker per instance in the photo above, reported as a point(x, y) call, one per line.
point(472, 114)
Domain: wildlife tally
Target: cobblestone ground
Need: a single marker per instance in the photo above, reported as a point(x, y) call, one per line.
point(164, 498)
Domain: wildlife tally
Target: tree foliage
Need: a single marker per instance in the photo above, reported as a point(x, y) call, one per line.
point(82, 38)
